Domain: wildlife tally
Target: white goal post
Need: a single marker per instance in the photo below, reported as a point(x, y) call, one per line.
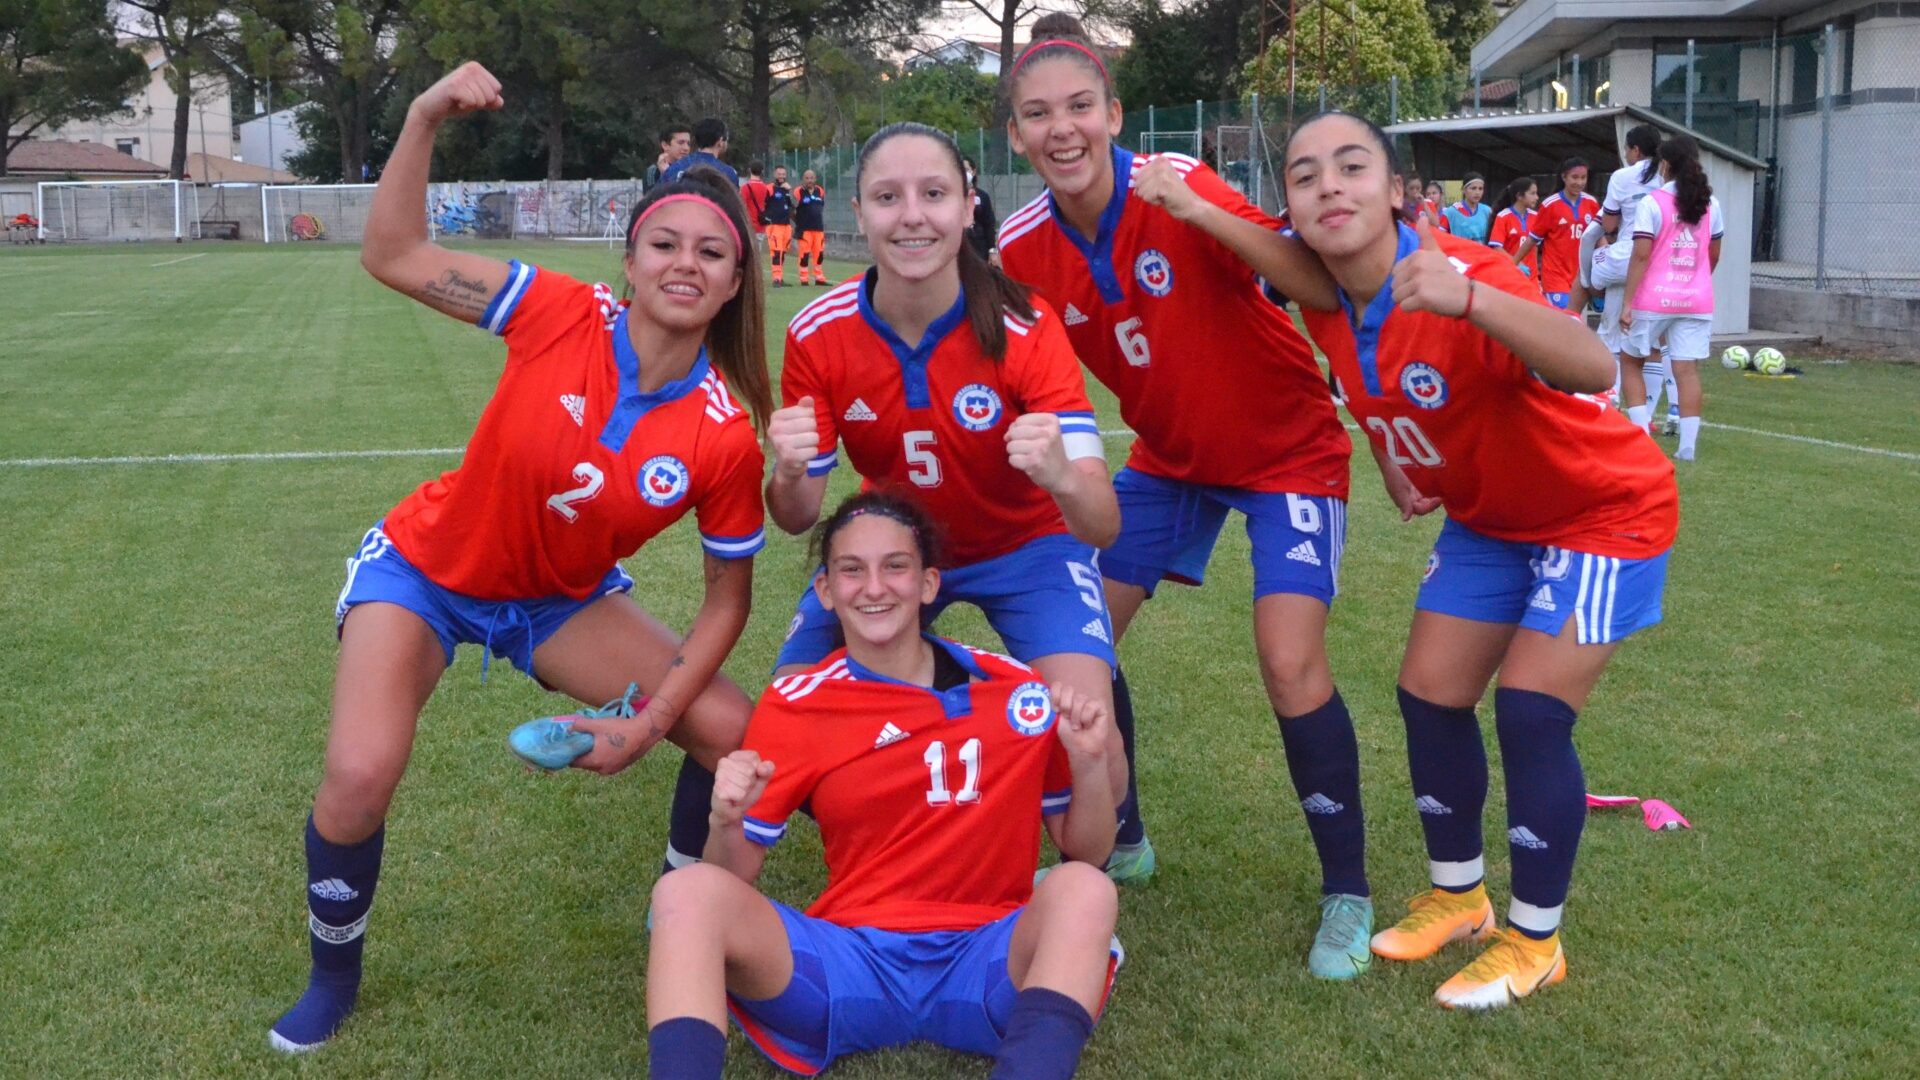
point(108, 210)
point(335, 212)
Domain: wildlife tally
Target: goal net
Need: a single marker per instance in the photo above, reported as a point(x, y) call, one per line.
point(101, 211)
point(299, 212)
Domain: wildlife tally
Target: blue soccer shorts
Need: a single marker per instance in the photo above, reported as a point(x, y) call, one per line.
point(1168, 529)
point(859, 989)
point(1539, 587)
point(510, 629)
point(1043, 597)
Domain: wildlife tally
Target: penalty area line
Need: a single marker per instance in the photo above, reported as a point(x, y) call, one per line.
point(215, 459)
point(181, 259)
point(1811, 441)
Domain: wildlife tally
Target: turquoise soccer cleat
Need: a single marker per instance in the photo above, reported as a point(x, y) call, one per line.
point(550, 742)
point(1340, 947)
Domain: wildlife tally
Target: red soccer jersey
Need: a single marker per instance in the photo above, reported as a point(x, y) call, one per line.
point(1211, 375)
point(935, 416)
point(1509, 229)
point(929, 802)
point(1556, 228)
point(754, 194)
point(572, 468)
point(1508, 455)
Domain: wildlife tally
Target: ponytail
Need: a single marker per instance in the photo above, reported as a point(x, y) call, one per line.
point(1646, 139)
point(1681, 155)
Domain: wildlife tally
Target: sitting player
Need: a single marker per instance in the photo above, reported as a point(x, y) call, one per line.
point(924, 763)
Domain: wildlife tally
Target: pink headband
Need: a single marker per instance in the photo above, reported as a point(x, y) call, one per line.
point(739, 243)
point(1064, 43)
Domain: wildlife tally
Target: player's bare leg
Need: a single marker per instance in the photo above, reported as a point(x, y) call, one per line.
point(1323, 761)
point(712, 933)
point(1133, 858)
point(1059, 957)
point(390, 661)
point(613, 642)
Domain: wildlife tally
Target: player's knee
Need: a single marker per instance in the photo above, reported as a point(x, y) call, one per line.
point(688, 897)
point(1292, 668)
point(1085, 895)
point(358, 789)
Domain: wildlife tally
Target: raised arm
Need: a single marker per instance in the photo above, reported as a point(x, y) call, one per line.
point(1283, 261)
point(738, 782)
point(799, 483)
point(1563, 352)
point(1084, 832)
point(396, 249)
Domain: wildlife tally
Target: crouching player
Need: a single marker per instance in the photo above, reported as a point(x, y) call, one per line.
point(925, 763)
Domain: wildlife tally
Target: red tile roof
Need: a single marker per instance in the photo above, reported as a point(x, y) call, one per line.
point(51, 157)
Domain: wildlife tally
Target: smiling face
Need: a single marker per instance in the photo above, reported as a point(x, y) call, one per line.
point(1530, 198)
point(779, 174)
point(1575, 180)
point(1064, 123)
point(683, 265)
point(912, 207)
point(679, 146)
point(808, 179)
point(875, 581)
point(1341, 190)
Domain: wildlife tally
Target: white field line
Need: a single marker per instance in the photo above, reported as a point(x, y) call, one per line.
point(342, 455)
point(181, 259)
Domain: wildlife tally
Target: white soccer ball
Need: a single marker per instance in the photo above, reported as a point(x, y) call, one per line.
point(1769, 361)
point(1735, 358)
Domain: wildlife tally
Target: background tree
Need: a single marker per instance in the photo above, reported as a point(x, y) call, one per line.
point(1460, 23)
point(345, 51)
point(1192, 52)
point(192, 36)
point(60, 62)
point(1355, 47)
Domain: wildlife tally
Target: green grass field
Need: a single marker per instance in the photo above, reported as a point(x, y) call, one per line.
point(169, 650)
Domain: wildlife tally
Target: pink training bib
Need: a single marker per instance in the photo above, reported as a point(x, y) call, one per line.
point(1679, 278)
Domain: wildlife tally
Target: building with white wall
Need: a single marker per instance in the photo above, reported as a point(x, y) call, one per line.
point(145, 128)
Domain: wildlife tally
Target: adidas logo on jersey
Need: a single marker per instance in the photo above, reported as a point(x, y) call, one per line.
point(859, 410)
point(1524, 837)
point(333, 889)
point(1427, 804)
point(576, 406)
point(1317, 803)
point(1543, 600)
point(1073, 316)
point(1097, 630)
point(1303, 552)
point(889, 735)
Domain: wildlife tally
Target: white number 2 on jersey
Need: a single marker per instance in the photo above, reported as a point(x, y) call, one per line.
point(591, 481)
point(1406, 443)
point(936, 759)
point(1133, 344)
point(922, 467)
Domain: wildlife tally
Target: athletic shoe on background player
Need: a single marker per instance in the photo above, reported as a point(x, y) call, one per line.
point(1130, 864)
point(551, 743)
point(1340, 945)
point(1514, 966)
point(1435, 919)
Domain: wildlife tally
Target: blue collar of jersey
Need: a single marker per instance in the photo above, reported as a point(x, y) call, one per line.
point(1366, 328)
point(913, 358)
point(955, 703)
point(633, 404)
point(1099, 251)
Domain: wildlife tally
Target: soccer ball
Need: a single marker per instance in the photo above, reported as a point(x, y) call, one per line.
point(1735, 358)
point(1769, 361)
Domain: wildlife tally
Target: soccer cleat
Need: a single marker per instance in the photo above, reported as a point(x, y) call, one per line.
point(1685, 453)
point(1672, 426)
point(1514, 966)
point(551, 743)
point(1433, 920)
point(1130, 864)
point(1340, 945)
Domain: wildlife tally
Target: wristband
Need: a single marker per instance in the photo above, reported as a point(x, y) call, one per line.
point(1468, 311)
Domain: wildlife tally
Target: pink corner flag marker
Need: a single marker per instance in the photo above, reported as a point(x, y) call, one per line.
point(1611, 802)
point(1660, 816)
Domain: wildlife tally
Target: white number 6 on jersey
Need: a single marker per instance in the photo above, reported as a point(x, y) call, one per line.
point(1133, 344)
point(591, 481)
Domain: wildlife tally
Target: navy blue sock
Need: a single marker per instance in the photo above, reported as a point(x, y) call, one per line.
point(1546, 804)
point(1323, 757)
point(1448, 764)
point(340, 883)
point(685, 1048)
point(1132, 829)
point(1045, 1033)
point(687, 823)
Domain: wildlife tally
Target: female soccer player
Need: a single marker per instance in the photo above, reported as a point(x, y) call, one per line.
point(1476, 396)
point(610, 422)
point(1669, 294)
point(925, 764)
point(1605, 256)
point(1203, 360)
point(985, 419)
point(1511, 224)
point(1556, 232)
point(1469, 219)
point(1436, 196)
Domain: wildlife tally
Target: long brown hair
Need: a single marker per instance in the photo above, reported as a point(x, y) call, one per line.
point(991, 295)
point(1057, 35)
point(1691, 192)
point(737, 337)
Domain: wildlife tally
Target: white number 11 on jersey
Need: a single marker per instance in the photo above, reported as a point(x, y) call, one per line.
point(936, 759)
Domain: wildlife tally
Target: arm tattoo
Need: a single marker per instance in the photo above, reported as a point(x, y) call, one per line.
point(455, 294)
point(679, 661)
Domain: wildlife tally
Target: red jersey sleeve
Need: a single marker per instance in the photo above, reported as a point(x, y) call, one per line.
point(1048, 379)
point(536, 307)
point(1500, 273)
point(730, 513)
point(799, 378)
point(778, 733)
point(1544, 220)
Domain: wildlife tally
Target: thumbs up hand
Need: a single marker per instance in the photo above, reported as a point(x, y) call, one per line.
point(1427, 281)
